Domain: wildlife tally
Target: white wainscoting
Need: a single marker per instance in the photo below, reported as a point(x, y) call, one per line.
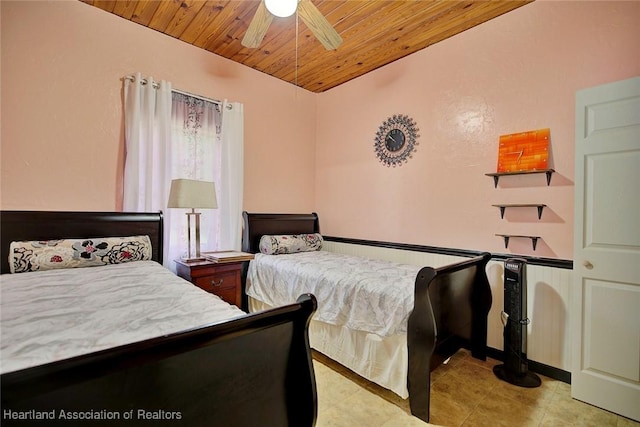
point(548, 338)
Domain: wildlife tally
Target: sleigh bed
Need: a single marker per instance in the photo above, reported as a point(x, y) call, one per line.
point(188, 359)
point(446, 308)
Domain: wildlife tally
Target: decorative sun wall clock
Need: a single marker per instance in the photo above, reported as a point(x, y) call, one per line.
point(396, 140)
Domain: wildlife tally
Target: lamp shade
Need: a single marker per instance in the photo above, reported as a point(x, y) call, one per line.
point(190, 193)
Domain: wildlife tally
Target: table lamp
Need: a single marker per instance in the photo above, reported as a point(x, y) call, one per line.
point(192, 194)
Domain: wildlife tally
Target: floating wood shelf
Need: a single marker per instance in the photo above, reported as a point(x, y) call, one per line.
point(525, 205)
point(496, 176)
point(506, 237)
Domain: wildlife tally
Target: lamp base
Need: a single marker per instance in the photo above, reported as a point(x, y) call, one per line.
point(197, 256)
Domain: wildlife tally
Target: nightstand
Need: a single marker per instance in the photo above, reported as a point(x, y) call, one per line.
point(222, 279)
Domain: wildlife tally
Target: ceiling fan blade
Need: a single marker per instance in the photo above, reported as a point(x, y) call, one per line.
point(319, 25)
point(258, 27)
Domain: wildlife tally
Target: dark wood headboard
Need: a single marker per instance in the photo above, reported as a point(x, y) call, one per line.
point(257, 225)
point(50, 225)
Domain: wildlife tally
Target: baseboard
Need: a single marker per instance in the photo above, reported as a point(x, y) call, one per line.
point(537, 367)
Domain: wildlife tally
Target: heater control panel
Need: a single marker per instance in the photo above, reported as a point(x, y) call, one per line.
point(515, 296)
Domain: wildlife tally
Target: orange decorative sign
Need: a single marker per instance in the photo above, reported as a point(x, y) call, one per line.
point(526, 151)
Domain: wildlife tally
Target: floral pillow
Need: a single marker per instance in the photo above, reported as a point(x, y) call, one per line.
point(71, 253)
point(290, 243)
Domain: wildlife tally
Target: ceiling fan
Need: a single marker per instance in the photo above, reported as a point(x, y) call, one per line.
point(309, 14)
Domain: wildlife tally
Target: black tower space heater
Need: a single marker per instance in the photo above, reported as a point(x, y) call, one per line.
point(515, 321)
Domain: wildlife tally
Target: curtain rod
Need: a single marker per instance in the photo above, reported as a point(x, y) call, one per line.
point(156, 85)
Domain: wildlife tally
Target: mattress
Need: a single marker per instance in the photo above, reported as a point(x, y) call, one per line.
point(361, 294)
point(57, 314)
point(383, 361)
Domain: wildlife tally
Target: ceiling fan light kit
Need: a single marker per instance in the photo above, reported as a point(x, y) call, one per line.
point(308, 13)
point(281, 8)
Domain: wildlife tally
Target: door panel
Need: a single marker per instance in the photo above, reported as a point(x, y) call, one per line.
point(606, 305)
point(614, 115)
point(620, 172)
point(605, 299)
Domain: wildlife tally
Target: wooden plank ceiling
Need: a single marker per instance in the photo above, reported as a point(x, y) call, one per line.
point(375, 32)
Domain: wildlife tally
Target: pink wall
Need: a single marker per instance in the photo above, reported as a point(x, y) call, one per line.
point(516, 73)
point(62, 143)
point(62, 133)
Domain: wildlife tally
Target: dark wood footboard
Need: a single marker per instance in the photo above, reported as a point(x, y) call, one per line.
point(450, 312)
point(255, 370)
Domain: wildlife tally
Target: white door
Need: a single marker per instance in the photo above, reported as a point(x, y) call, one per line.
point(605, 298)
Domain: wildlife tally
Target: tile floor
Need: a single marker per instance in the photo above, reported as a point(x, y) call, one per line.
point(465, 392)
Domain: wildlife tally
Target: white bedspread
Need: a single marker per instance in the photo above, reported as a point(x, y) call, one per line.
point(361, 294)
point(57, 314)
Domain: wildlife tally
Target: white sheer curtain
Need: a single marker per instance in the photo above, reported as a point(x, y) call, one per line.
point(195, 125)
point(172, 135)
point(147, 142)
point(232, 175)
